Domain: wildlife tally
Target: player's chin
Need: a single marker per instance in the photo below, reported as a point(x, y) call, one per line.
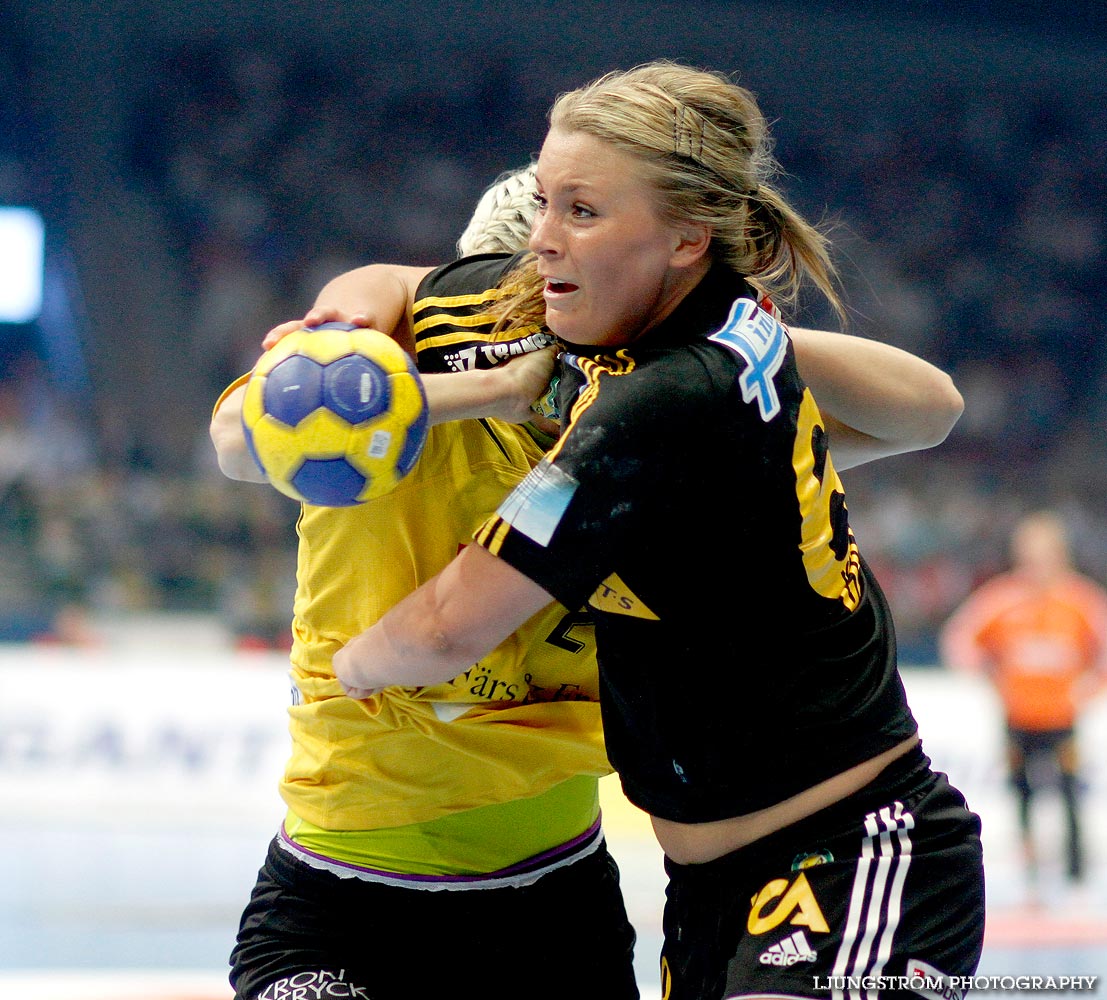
point(566, 326)
point(560, 316)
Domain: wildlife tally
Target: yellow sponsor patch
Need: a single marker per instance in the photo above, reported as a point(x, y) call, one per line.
point(780, 900)
point(615, 597)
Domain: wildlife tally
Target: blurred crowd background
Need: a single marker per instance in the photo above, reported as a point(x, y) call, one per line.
point(202, 172)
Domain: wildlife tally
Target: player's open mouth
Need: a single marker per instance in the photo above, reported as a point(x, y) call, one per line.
point(554, 287)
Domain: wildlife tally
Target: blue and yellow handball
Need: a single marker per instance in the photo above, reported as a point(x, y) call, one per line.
point(335, 415)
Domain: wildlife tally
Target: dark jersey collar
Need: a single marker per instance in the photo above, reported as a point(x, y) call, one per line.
point(701, 312)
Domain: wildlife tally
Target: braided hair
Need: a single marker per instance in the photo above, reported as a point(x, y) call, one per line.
point(501, 220)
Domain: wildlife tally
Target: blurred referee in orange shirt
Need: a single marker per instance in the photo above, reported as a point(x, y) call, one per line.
point(1039, 633)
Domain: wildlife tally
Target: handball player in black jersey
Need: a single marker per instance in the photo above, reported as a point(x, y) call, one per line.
point(751, 698)
point(297, 932)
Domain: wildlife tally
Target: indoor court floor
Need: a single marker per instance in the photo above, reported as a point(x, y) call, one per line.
point(117, 947)
point(135, 827)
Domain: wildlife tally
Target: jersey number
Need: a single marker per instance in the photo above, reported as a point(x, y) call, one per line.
point(829, 550)
point(559, 636)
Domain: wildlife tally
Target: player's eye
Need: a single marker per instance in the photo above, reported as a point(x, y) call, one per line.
point(540, 201)
point(582, 211)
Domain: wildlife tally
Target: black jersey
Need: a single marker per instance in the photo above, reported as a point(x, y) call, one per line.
point(451, 322)
point(746, 653)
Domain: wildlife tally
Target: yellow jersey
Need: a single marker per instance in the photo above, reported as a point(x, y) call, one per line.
point(519, 732)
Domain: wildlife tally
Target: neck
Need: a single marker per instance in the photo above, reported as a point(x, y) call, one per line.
point(676, 289)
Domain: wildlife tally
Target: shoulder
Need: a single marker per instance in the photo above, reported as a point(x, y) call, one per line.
point(995, 597)
point(633, 413)
point(736, 335)
point(1088, 590)
point(754, 334)
point(465, 276)
point(647, 381)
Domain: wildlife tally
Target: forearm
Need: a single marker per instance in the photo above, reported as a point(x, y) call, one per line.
point(380, 296)
point(407, 647)
point(376, 296)
point(505, 391)
point(442, 628)
point(459, 396)
point(474, 394)
point(878, 400)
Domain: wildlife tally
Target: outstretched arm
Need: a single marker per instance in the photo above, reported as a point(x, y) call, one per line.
point(505, 392)
point(379, 297)
point(443, 627)
point(376, 296)
point(877, 400)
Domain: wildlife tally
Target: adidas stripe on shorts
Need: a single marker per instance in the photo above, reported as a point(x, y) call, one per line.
point(848, 904)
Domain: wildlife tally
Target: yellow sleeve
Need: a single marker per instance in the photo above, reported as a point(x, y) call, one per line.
point(238, 382)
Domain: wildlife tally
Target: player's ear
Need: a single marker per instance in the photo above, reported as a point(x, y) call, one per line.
point(690, 243)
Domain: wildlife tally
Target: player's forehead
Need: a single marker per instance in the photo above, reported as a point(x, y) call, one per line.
point(575, 164)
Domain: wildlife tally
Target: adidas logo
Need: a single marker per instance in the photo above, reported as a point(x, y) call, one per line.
point(792, 949)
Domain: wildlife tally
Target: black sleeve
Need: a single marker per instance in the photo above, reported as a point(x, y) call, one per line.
point(450, 316)
point(466, 275)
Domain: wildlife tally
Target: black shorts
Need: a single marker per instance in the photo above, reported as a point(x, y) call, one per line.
point(307, 933)
point(879, 888)
point(1039, 742)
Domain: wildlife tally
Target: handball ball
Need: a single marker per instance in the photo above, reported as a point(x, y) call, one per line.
point(335, 415)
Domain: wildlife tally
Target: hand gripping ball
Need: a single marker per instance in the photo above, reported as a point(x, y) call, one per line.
point(335, 415)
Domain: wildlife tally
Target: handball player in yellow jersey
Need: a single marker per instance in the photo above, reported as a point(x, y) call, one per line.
point(468, 811)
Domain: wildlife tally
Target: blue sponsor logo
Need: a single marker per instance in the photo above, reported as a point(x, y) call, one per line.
point(761, 340)
point(536, 505)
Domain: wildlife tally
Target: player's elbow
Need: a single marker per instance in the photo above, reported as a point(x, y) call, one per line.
point(426, 648)
point(449, 646)
point(929, 417)
point(231, 453)
point(947, 406)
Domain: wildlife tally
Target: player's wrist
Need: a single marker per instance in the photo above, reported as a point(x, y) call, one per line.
point(465, 395)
